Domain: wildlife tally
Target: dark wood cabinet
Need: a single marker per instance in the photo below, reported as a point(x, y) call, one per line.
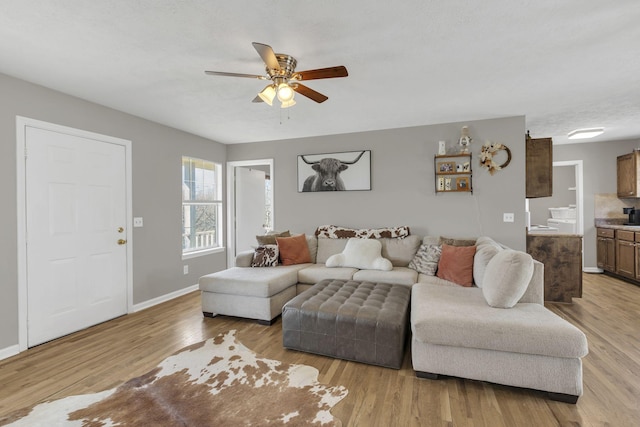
point(539, 167)
point(627, 171)
point(606, 250)
point(562, 259)
point(626, 258)
point(618, 252)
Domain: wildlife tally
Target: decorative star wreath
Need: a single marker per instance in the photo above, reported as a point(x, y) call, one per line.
point(486, 156)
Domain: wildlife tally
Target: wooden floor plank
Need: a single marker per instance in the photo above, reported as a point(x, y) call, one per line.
point(106, 355)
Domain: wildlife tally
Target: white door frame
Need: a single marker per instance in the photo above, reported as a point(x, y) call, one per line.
point(231, 202)
point(579, 197)
point(21, 124)
point(579, 192)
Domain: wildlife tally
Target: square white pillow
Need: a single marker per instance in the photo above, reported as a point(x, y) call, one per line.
point(506, 278)
point(364, 254)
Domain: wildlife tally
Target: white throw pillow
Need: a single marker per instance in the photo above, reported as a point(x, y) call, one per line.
point(484, 254)
point(506, 278)
point(364, 254)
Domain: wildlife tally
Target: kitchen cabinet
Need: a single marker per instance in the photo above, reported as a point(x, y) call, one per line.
point(539, 167)
point(618, 252)
point(626, 253)
point(637, 240)
point(562, 258)
point(628, 176)
point(606, 249)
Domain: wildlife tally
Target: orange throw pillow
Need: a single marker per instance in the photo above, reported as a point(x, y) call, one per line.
point(456, 264)
point(293, 250)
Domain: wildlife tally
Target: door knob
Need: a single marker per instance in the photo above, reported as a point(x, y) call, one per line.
point(121, 241)
point(120, 229)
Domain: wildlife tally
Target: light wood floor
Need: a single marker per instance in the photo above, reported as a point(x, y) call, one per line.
point(105, 355)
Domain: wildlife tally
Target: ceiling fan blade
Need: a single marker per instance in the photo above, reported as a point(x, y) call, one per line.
point(309, 93)
point(323, 73)
point(267, 55)
point(222, 73)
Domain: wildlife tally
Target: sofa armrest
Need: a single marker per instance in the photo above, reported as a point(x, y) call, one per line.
point(535, 290)
point(243, 259)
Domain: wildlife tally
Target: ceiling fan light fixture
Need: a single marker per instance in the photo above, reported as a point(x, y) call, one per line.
point(267, 94)
point(287, 104)
point(285, 93)
point(585, 133)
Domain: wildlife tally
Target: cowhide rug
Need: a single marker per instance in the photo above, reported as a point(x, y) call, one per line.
point(218, 382)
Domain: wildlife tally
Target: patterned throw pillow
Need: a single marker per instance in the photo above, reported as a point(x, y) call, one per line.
point(426, 259)
point(265, 256)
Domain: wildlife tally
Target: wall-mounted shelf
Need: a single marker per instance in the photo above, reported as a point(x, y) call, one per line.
point(453, 173)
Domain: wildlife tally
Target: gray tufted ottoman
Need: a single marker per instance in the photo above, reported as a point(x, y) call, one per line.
point(360, 321)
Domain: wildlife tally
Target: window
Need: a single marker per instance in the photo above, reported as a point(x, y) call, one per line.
point(201, 205)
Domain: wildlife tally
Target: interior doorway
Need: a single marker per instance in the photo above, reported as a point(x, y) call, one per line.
point(250, 210)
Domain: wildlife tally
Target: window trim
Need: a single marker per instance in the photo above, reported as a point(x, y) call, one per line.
point(217, 202)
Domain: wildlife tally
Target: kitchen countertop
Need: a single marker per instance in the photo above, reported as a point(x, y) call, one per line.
point(616, 225)
point(538, 234)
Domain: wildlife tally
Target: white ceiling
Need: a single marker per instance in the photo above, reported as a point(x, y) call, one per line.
point(563, 64)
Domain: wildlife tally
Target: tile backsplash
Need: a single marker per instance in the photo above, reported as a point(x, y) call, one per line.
point(608, 205)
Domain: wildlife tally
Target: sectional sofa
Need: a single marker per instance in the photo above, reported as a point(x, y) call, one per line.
point(455, 331)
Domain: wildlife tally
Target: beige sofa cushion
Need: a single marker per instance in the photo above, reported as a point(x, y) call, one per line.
point(317, 272)
point(328, 247)
point(399, 275)
point(249, 281)
point(434, 280)
point(400, 251)
point(460, 317)
point(506, 278)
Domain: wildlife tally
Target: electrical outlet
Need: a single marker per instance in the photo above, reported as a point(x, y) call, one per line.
point(508, 217)
point(137, 221)
point(185, 269)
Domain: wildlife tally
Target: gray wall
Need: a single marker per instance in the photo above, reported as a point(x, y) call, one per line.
point(157, 151)
point(403, 191)
point(599, 168)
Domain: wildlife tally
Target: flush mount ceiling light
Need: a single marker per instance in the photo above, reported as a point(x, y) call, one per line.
point(585, 133)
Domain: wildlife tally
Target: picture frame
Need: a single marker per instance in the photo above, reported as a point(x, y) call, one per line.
point(338, 171)
point(446, 167)
point(466, 167)
point(447, 184)
point(462, 183)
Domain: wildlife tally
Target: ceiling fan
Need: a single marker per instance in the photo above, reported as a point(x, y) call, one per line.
point(281, 70)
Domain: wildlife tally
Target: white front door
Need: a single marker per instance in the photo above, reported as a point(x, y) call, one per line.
point(250, 207)
point(76, 233)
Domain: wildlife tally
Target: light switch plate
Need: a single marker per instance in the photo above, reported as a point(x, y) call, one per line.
point(137, 221)
point(508, 217)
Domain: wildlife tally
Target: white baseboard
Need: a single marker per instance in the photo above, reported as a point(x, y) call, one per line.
point(9, 351)
point(164, 298)
point(15, 349)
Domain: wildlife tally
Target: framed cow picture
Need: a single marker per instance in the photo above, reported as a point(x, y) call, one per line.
point(344, 171)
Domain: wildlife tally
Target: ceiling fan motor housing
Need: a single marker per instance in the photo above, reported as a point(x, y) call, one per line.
point(287, 67)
